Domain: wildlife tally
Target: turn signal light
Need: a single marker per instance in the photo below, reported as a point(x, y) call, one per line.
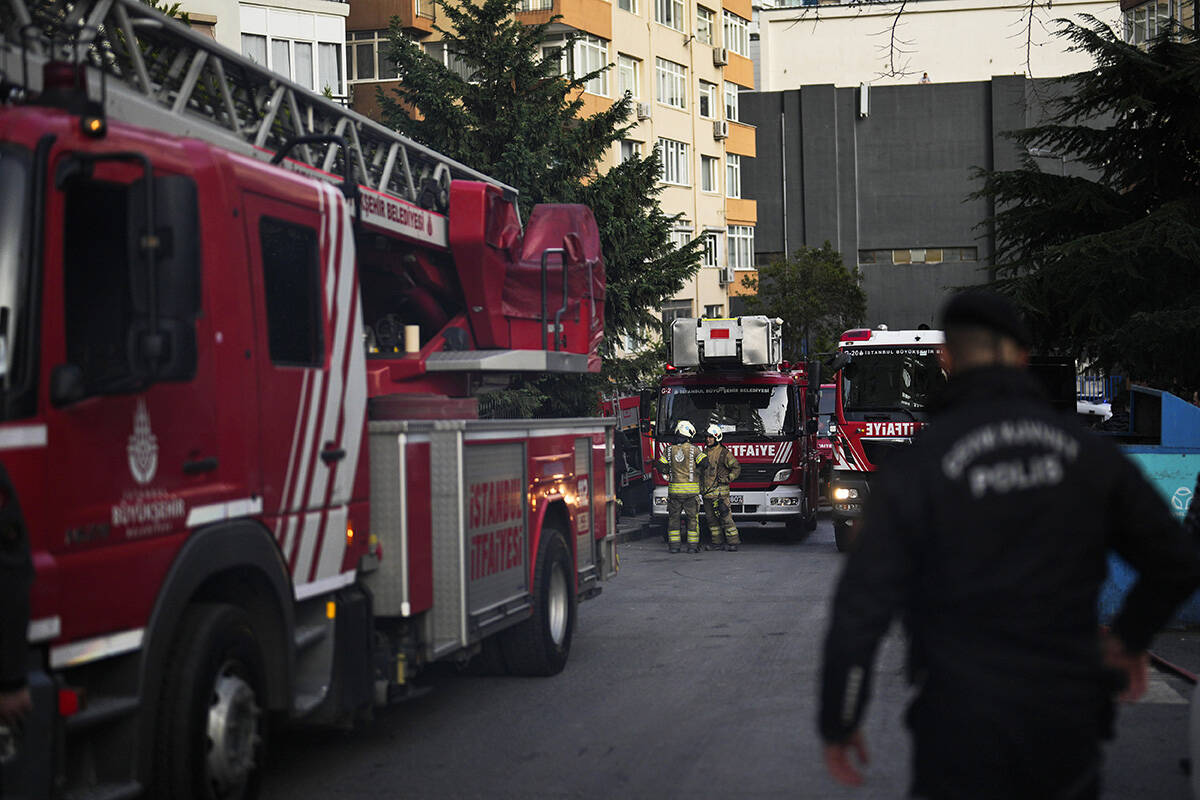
point(857, 335)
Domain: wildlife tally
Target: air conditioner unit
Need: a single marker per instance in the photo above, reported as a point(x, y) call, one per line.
point(727, 275)
point(643, 111)
point(720, 129)
point(720, 56)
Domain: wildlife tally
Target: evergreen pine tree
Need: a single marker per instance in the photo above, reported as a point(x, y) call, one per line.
point(1108, 265)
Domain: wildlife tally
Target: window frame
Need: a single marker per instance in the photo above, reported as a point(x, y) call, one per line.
point(733, 175)
point(707, 91)
point(629, 70)
point(705, 25)
point(671, 14)
point(735, 32)
point(669, 75)
point(733, 111)
point(740, 246)
point(674, 155)
point(588, 46)
point(710, 174)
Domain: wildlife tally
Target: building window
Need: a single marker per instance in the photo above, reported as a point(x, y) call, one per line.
point(681, 236)
point(628, 74)
point(535, 5)
point(591, 54)
point(704, 25)
point(254, 47)
point(731, 101)
point(708, 100)
point(741, 246)
point(628, 5)
point(675, 309)
point(733, 175)
point(712, 248)
point(714, 311)
point(366, 57)
point(674, 157)
point(329, 68)
point(556, 55)
point(737, 34)
point(1148, 20)
point(669, 13)
point(671, 83)
point(709, 182)
point(630, 149)
point(450, 60)
point(919, 255)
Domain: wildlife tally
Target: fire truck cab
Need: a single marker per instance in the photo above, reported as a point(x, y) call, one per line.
point(885, 380)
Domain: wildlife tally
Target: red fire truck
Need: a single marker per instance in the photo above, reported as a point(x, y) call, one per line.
point(885, 380)
point(729, 372)
point(241, 334)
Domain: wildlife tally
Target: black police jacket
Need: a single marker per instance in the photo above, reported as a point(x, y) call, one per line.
point(989, 538)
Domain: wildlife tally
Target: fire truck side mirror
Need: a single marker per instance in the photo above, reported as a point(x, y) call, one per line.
point(165, 279)
point(838, 362)
point(646, 404)
point(66, 385)
point(813, 368)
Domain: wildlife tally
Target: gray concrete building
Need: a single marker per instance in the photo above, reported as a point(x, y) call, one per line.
point(886, 180)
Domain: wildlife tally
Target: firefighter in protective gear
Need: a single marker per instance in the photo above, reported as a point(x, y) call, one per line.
point(681, 464)
point(717, 471)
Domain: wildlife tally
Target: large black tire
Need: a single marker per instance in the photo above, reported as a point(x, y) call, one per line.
point(212, 725)
point(810, 517)
point(540, 645)
point(843, 537)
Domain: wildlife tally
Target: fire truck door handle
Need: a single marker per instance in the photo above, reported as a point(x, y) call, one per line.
point(331, 456)
point(194, 466)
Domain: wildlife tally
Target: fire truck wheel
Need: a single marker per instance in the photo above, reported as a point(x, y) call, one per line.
point(211, 722)
point(540, 645)
point(843, 537)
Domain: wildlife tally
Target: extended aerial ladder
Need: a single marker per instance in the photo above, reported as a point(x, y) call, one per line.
point(154, 63)
point(149, 70)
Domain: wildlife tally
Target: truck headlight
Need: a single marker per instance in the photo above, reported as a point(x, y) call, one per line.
point(783, 475)
point(660, 500)
point(842, 493)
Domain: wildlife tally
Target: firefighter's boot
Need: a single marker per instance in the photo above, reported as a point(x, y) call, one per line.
point(716, 545)
point(731, 547)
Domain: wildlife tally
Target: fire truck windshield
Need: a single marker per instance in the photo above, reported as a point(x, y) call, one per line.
point(893, 384)
point(743, 412)
point(14, 196)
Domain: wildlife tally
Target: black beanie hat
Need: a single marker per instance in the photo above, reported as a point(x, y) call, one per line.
point(983, 309)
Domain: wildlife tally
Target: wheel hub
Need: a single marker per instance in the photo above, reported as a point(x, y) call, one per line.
point(232, 731)
point(557, 604)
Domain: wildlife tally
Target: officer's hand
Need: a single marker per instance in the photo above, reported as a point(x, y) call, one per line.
point(1135, 666)
point(15, 705)
point(838, 761)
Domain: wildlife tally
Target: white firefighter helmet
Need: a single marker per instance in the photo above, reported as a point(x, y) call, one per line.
point(685, 429)
point(715, 431)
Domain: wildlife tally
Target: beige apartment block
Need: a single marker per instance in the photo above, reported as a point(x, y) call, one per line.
point(684, 62)
point(950, 41)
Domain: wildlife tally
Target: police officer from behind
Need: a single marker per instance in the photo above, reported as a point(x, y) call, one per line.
point(681, 462)
point(989, 537)
point(717, 471)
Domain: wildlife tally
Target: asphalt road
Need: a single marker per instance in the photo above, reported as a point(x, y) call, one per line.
point(690, 677)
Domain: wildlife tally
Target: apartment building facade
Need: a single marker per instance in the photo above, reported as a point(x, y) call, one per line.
point(685, 63)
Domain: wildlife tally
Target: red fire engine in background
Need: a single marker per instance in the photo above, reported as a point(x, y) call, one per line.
point(885, 380)
point(729, 372)
point(239, 419)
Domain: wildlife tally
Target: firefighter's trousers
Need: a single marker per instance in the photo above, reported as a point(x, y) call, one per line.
point(720, 516)
point(688, 503)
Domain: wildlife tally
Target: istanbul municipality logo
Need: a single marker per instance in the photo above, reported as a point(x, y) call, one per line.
point(143, 446)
